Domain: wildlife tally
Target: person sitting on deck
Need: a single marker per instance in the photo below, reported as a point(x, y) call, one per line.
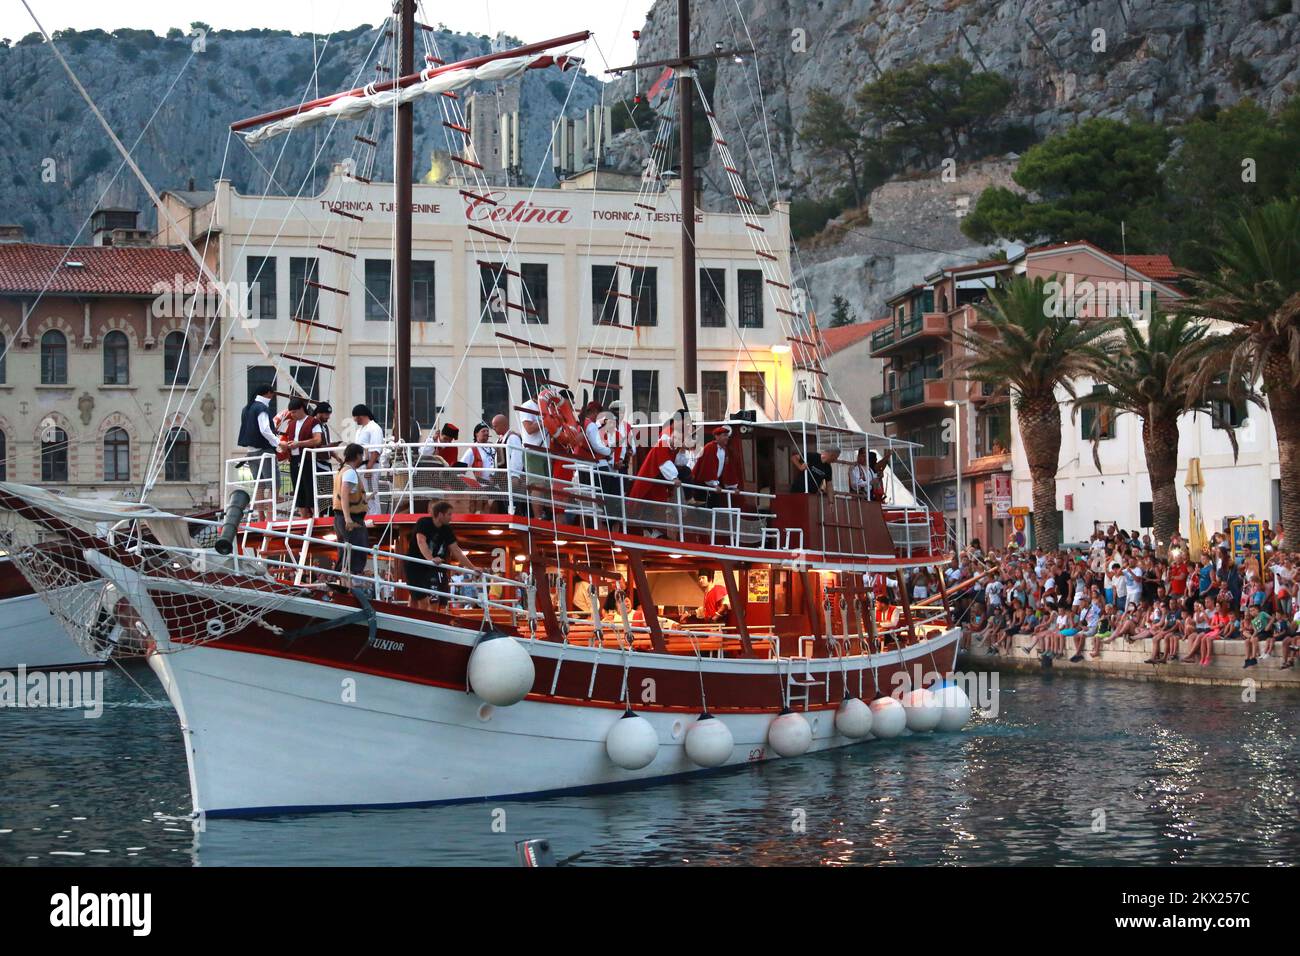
point(718, 469)
point(652, 479)
point(814, 471)
point(434, 540)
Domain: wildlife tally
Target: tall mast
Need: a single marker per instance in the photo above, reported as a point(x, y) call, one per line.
point(686, 136)
point(404, 157)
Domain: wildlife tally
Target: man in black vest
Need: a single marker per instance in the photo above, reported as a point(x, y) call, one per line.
point(259, 441)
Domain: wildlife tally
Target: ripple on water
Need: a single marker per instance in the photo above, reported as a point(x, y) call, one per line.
point(1070, 772)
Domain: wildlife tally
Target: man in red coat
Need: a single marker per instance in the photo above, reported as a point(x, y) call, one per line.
point(657, 481)
point(718, 469)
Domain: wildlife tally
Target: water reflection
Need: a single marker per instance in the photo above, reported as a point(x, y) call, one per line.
point(1071, 772)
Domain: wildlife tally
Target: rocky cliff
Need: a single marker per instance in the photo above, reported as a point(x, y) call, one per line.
point(56, 161)
point(1160, 60)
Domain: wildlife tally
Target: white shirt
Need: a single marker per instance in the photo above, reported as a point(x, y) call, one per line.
point(538, 438)
point(722, 463)
point(350, 477)
point(370, 437)
point(859, 479)
point(668, 470)
point(487, 458)
point(264, 420)
point(514, 445)
point(598, 447)
point(294, 430)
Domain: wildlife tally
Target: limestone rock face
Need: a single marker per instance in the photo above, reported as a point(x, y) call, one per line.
point(57, 160)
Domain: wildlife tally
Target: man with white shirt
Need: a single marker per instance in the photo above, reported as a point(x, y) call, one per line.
point(258, 440)
point(369, 436)
point(514, 455)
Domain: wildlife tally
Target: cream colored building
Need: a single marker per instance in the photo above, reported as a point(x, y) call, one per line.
point(467, 344)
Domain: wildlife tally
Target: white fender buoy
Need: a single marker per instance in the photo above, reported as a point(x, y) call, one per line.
point(853, 718)
point(500, 670)
point(709, 742)
point(632, 742)
point(956, 708)
point(923, 710)
point(789, 734)
point(888, 718)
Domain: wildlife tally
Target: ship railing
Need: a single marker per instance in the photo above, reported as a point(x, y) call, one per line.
point(304, 561)
point(592, 497)
point(911, 530)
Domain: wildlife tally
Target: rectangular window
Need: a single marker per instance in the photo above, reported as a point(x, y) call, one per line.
point(379, 290)
point(713, 393)
point(1229, 414)
point(604, 295)
point(753, 390)
point(496, 394)
point(607, 391)
point(308, 379)
point(379, 392)
point(749, 288)
point(713, 298)
point(645, 286)
point(1099, 417)
point(261, 287)
point(304, 299)
point(422, 289)
point(259, 376)
point(535, 284)
point(424, 406)
point(493, 292)
point(645, 394)
point(534, 381)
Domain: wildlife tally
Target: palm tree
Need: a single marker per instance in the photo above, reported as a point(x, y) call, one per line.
point(1255, 290)
point(1036, 348)
point(1156, 373)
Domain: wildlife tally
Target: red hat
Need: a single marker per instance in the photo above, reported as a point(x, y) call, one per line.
point(722, 430)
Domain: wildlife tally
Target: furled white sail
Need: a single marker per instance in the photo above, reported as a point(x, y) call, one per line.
point(432, 82)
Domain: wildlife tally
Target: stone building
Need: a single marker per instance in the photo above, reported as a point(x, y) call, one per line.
point(96, 365)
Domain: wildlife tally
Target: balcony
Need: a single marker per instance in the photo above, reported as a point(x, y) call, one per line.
point(986, 392)
point(913, 328)
point(918, 395)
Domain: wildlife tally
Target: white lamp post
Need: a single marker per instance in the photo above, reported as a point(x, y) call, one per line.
point(956, 417)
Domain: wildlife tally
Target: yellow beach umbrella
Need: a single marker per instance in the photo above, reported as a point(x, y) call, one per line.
point(1195, 483)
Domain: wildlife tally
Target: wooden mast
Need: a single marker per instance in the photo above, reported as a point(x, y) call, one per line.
point(686, 138)
point(404, 160)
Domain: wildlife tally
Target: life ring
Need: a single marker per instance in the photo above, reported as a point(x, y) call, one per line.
point(559, 421)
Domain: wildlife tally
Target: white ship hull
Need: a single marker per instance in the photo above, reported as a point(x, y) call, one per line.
point(31, 637)
point(266, 733)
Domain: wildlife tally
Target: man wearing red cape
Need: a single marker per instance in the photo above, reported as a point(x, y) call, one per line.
point(718, 468)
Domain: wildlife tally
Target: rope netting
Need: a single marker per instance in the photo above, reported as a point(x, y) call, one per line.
point(104, 572)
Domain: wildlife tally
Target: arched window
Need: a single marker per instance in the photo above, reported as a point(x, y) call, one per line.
point(176, 463)
point(54, 358)
point(54, 455)
point(4, 450)
point(176, 359)
point(117, 359)
point(117, 455)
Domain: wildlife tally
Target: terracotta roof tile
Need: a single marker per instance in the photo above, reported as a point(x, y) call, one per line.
point(1153, 267)
point(840, 337)
point(27, 267)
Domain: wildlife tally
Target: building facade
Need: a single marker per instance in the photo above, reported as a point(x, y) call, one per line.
point(926, 400)
point(94, 371)
point(483, 335)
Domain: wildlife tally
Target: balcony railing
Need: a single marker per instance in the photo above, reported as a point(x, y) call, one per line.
point(910, 325)
point(910, 395)
point(883, 336)
point(882, 404)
